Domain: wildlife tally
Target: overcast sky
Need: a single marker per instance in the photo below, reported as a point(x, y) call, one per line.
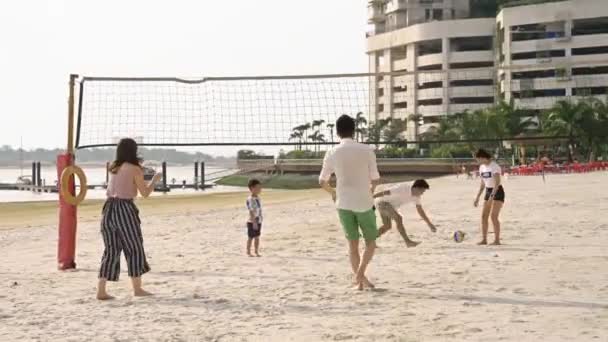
point(43, 41)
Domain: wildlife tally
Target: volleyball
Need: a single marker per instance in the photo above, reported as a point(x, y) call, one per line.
point(459, 236)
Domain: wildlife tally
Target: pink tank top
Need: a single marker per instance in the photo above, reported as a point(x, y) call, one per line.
point(122, 184)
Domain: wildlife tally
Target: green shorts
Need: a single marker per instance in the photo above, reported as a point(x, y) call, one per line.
point(352, 221)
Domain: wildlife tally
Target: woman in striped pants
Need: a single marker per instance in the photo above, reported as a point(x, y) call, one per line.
point(120, 223)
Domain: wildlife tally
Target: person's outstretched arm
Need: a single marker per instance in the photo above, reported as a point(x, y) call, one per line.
point(374, 175)
point(145, 189)
point(425, 218)
point(481, 188)
point(382, 194)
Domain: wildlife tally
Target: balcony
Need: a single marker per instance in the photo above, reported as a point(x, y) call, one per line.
point(537, 102)
point(400, 64)
point(459, 108)
point(430, 76)
point(472, 74)
point(432, 93)
point(431, 59)
point(375, 14)
point(401, 96)
point(432, 110)
point(400, 113)
point(468, 56)
point(404, 80)
point(396, 6)
point(474, 91)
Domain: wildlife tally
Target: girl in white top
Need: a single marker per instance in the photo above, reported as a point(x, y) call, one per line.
point(494, 199)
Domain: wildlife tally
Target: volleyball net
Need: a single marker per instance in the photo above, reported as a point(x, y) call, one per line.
point(301, 110)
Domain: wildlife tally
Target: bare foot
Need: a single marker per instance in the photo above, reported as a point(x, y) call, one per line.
point(411, 243)
point(104, 296)
point(367, 283)
point(482, 242)
point(496, 243)
point(257, 255)
point(358, 286)
point(141, 293)
point(250, 255)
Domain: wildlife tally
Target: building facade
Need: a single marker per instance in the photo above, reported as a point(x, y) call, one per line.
point(444, 62)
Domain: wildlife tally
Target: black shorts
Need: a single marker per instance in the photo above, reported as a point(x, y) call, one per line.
point(499, 196)
point(253, 233)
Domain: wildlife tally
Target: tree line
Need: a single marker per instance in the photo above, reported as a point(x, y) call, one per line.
point(10, 156)
point(583, 124)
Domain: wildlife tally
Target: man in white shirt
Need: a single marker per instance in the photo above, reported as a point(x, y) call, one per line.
point(356, 178)
point(389, 201)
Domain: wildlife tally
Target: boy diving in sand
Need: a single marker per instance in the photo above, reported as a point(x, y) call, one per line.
point(389, 201)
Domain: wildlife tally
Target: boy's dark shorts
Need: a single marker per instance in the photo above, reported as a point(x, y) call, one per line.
point(252, 233)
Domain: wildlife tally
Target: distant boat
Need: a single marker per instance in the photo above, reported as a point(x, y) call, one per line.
point(24, 180)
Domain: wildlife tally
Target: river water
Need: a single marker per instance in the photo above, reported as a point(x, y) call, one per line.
point(97, 175)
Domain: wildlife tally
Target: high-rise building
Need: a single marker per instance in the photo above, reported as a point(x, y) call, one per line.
point(534, 54)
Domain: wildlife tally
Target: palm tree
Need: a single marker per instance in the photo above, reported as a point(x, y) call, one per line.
point(375, 131)
point(331, 131)
point(360, 122)
point(305, 128)
point(518, 121)
point(296, 135)
point(317, 137)
point(562, 119)
point(415, 118)
point(317, 123)
point(393, 130)
point(594, 124)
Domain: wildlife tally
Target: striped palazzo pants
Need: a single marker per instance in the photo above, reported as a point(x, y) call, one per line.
point(121, 232)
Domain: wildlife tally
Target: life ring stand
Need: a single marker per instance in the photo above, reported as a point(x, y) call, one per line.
point(65, 182)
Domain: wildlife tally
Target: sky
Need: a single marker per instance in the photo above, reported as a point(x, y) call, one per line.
point(43, 41)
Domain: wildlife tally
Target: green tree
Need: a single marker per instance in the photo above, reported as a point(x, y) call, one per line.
point(317, 123)
point(594, 125)
point(393, 130)
point(317, 137)
point(374, 132)
point(331, 131)
point(563, 120)
point(360, 123)
point(296, 135)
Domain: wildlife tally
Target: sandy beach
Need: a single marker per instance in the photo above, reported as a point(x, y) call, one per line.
point(548, 282)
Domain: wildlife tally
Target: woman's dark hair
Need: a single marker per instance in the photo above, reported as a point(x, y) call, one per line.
point(126, 152)
point(420, 183)
point(483, 154)
point(345, 126)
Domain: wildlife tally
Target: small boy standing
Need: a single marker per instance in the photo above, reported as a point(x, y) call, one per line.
point(254, 223)
point(388, 203)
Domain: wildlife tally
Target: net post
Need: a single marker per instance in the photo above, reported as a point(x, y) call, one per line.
point(107, 174)
point(164, 167)
point(203, 175)
point(34, 174)
point(196, 175)
point(70, 148)
point(38, 174)
point(66, 244)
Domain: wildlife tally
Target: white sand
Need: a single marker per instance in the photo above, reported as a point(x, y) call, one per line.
point(549, 282)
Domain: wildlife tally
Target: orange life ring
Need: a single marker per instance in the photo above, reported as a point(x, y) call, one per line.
point(65, 182)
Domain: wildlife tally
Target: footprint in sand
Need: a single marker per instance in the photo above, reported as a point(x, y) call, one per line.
point(520, 291)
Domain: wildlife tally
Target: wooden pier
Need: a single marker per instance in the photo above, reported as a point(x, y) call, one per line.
point(32, 188)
